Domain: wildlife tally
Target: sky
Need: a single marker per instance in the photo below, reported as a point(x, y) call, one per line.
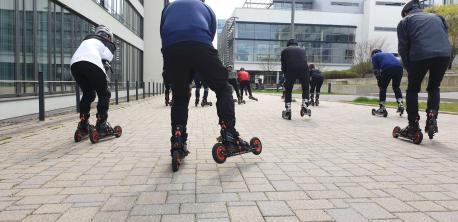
point(224, 8)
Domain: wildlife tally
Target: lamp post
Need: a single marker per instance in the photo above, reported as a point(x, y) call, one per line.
point(293, 14)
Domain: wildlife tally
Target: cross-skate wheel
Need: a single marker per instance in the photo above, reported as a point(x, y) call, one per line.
point(94, 136)
point(218, 153)
point(396, 131)
point(78, 136)
point(385, 114)
point(117, 131)
point(373, 112)
point(175, 161)
point(418, 138)
point(255, 143)
point(431, 133)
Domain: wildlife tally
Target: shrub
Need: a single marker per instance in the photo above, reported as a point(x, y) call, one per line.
point(340, 74)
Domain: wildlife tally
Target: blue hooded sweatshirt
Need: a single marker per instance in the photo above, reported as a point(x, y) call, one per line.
point(187, 20)
point(383, 60)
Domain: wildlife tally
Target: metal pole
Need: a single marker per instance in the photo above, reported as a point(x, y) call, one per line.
point(136, 90)
point(149, 89)
point(77, 93)
point(128, 89)
point(293, 15)
point(116, 92)
point(41, 97)
point(153, 88)
point(329, 88)
point(143, 86)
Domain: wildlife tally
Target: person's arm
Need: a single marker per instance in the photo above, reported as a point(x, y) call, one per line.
point(212, 23)
point(444, 22)
point(162, 21)
point(403, 42)
point(283, 61)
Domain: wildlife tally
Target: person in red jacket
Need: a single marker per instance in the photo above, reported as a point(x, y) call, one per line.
point(244, 79)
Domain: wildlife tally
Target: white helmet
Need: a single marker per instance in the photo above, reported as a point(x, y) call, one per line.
point(104, 32)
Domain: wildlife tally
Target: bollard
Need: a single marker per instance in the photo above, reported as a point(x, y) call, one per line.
point(41, 97)
point(77, 93)
point(154, 84)
point(143, 86)
point(136, 90)
point(149, 89)
point(116, 92)
point(128, 89)
point(329, 88)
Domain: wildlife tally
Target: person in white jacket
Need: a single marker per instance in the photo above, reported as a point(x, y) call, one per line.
point(89, 66)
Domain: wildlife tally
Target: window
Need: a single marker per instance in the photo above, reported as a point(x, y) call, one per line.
point(353, 4)
point(390, 3)
point(385, 29)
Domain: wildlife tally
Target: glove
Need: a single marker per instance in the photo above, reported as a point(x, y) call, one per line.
point(377, 73)
point(107, 66)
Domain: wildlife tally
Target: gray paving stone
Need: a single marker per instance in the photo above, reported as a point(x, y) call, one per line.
point(450, 216)
point(414, 217)
point(118, 216)
point(274, 208)
point(188, 208)
point(152, 198)
point(155, 209)
point(14, 215)
point(281, 219)
point(313, 215)
point(178, 218)
point(119, 203)
point(346, 215)
point(80, 214)
point(393, 205)
point(310, 204)
point(41, 218)
point(243, 214)
point(372, 211)
point(52, 208)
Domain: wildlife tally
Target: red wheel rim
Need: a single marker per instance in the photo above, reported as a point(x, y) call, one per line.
point(95, 136)
point(220, 152)
point(118, 131)
point(417, 138)
point(258, 146)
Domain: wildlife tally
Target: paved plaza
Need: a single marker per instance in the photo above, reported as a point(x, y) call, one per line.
point(340, 165)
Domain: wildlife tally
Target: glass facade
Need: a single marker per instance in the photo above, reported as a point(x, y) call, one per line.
point(124, 12)
point(257, 42)
point(41, 36)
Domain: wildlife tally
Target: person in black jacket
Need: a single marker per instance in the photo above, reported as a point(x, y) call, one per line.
point(294, 66)
point(424, 46)
point(316, 81)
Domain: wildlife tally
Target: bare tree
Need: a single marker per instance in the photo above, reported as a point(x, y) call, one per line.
point(363, 50)
point(269, 63)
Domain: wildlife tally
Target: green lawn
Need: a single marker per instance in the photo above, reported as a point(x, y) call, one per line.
point(281, 91)
point(444, 106)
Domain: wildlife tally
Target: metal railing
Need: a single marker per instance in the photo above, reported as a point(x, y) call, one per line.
point(17, 89)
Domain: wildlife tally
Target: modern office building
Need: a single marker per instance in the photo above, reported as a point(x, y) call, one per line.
point(41, 36)
point(329, 30)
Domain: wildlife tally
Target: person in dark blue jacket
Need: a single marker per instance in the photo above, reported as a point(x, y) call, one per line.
point(187, 30)
point(316, 81)
point(386, 69)
point(424, 47)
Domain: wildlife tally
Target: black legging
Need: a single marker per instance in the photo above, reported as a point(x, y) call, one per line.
point(417, 71)
point(199, 85)
point(91, 79)
point(180, 61)
point(289, 83)
point(384, 80)
point(245, 85)
point(315, 86)
point(235, 85)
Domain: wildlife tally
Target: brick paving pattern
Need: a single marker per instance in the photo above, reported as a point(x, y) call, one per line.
point(340, 165)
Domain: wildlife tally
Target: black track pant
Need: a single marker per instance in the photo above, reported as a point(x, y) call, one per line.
point(199, 85)
point(91, 79)
point(181, 60)
point(235, 85)
point(388, 75)
point(315, 86)
point(245, 85)
point(417, 71)
point(290, 79)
